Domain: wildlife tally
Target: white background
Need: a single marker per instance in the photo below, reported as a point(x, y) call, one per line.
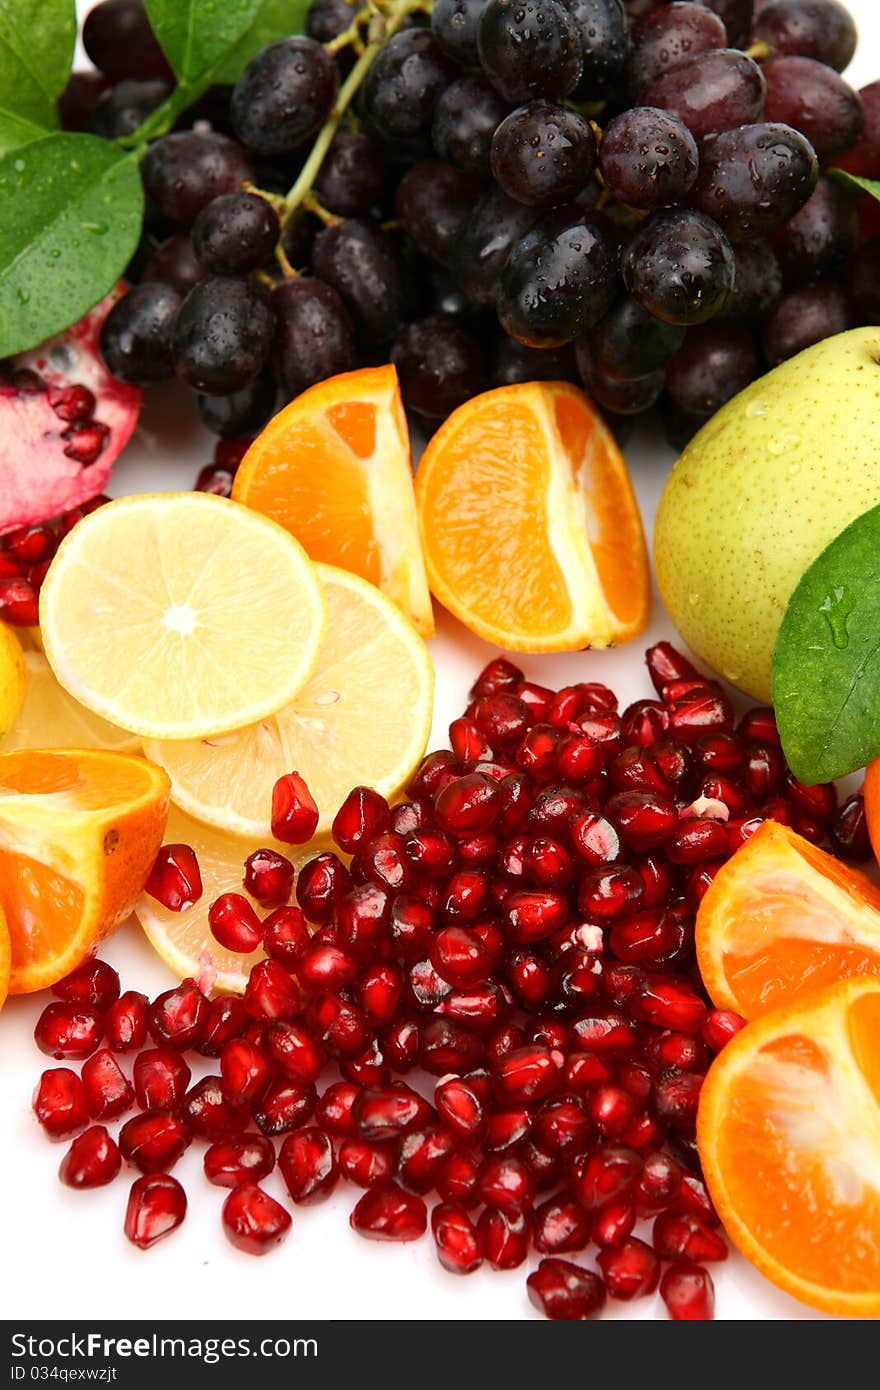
point(64, 1253)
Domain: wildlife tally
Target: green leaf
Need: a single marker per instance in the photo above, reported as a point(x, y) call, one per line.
point(826, 665)
point(275, 20)
point(72, 213)
point(871, 186)
point(16, 131)
point(196, 35)
point(36, 50)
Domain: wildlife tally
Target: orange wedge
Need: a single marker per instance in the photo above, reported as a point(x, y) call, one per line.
point(530, 527)
point(5, 958)
point(782, 918)
point(334, 469)
point(872, 804)
point(789, 1136)
point(79, 830)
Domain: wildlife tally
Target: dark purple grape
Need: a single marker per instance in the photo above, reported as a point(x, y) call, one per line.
point(714, 363)
point(543, 154)
point(175, 262)
point(360, 262)
point(433, 203)
point(513, 362)
point(820, 29)
point(465, 118)
point(352, 176)
point(602, 30)
point(76, 104)
point(712, 92)
point(314, 338)
point(619, 395)
point(737, 18)
point(819, 241)
point(630, 342)
point(297, 238)
point(648, 158)
point(212, 106)
point(119, 39)
point(497, 222)
point(802, 318)
point(445, 295)
point(439, 364)
point(327, 18)
point(758, 282)
point(815, 100)
point(242, 412)
point(284, 95)
point(680, 267)
point(126, 106)
point(864, 282)
point(401, 89)
point(753, 179)
point(455, 24)
point(137, 335)
point(560, 278)
point(223, 335)
point(529, 48)
point(185, 171)
point(670, 36)
point(864, 157)
point(235, 233)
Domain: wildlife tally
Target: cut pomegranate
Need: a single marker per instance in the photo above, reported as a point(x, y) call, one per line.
point(387, 1213)
point(294, 813)
point(565, 1291)
point(253, 1221)
point(175, 879)
point(63, 422)
point(60, 1103)
point(92, 1160)
point(688, 1292)
point(156, 1207)
point(249, 1158)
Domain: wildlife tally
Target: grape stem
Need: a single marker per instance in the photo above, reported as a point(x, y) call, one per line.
point(398, 11)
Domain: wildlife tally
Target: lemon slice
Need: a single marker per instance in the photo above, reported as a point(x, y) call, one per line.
point(362, 718)
point(13, 678)
point(50, 718)
point(180, 615)
point(183, 939)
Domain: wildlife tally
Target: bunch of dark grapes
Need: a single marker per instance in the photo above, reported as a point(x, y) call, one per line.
point(633, 194)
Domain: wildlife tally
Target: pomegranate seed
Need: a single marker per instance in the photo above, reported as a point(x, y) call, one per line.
point(677, 1050)
point(362, 815)
point(564, 1291)
point(849, 831)
point(538, 698)
point(462, 1107)
point(234, 923)
point(385, 1112)
point(215, 480)
point(382, 861)
point(645, 820)
point(253, 1221)
point(468, 805)
point(285, 936)
point(268, 877)
point(326, 968)
point(631, 1269)
point(60, 1103)
point(387, 1213)
point(161, 1078)
point(504, 718)
point(506, 1129)
point(680, 1235)
point(608, 1172)
point(644, 723)
point(249, 1158)
point(86, 441)
point(270, 992)
point(505, 1184)
point(665, 664)
point(659, 1184)
point(561, 1126)
point(368, 1165)
point(458, 1178)
point(321, 884)
point(459, 957)
point(688, 1292)
point(401, 1044)
point(72, 403)
point(607, 893)
point(362, 921)
point(286, 1105)
point(177, 1018)
point(19, 604)
point(156, 1207)
point(343, 1029)
point(611, 1111)
point(467, 742)
point(154, 1141)
point(93, 985)
point(436, 771)
point(308, 1165)
point(643, 936)
point(535, 914)
point(560, 1226)
point(447, 1046)
point(527, 1074)
point(108, 1091)
point(455, 1236)
point(607, 1033)
point(668, 1004)
point(697, 841)
point(720, 1026)
point(695, 1200)
point(92, 1160)
point(335, 1109)
point(379, 991)
point(294, 812)
point(245, 1073)
point(126, 1022)
point(422, 1153)
point(614, 1222)
point(504, 1240)
point(68, 1030)
point(175, 879)
point(499, 674)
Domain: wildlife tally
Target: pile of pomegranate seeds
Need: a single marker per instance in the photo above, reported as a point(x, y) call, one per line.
point(517, 940)
point(26, 553)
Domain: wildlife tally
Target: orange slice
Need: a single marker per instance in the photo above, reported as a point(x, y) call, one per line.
point(782, 918)
point(334, 469)
point(872, 804)
point(530, 527)
point(5, 958)
point(79, 830)
point(789, 1136)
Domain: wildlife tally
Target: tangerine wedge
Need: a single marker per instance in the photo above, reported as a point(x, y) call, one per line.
point(334, 469)
point(782, 918)
point(79, 830)
point(530, 527)
point(789, 1137)
point(872, 804)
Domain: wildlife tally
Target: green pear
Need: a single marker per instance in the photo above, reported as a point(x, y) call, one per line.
point(760, 492)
